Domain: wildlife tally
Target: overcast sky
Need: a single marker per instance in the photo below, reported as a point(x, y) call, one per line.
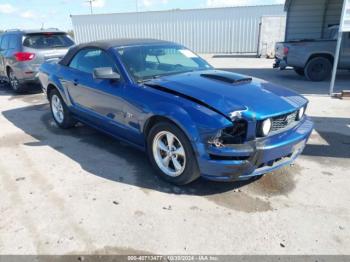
point(55, 13)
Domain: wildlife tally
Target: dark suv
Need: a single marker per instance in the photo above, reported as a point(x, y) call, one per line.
point(23, 51)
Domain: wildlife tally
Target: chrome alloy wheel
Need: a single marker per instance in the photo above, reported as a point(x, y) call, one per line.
point(13, 80)
point(169, 154)
point(57, 109)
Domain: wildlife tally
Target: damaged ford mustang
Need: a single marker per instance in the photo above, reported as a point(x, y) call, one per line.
point(191, 119)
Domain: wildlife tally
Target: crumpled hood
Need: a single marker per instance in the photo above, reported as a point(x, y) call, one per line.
point(258, 98)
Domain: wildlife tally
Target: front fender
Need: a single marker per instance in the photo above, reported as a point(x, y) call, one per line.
point(197, 122)
point(179, 116)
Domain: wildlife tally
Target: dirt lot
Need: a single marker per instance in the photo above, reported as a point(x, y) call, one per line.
point(79, 191)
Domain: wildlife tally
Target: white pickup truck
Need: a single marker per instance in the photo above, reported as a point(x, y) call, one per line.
point(313, 57)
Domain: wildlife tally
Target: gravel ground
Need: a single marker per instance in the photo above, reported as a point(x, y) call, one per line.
point(78, 191)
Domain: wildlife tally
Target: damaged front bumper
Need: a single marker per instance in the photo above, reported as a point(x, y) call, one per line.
point(254, 158)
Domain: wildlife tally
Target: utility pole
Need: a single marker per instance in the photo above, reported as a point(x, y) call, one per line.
point(90, 3)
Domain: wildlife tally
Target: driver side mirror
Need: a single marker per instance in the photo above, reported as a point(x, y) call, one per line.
point(105, 73)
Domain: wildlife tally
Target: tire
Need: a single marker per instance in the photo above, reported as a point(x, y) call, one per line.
point(60, 111)
point(14, 83)
point(299, 71)
point(318, 69)
point(184, 158)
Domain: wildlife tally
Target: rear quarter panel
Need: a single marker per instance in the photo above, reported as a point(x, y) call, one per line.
point(50, 73)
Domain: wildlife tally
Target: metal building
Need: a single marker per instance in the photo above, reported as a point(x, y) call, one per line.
point(210, 30)
point(310, 19)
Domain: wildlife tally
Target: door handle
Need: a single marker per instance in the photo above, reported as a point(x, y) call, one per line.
point(75, 82)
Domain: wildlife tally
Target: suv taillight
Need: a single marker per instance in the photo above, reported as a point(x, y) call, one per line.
point(24, 56)
point(285, 50)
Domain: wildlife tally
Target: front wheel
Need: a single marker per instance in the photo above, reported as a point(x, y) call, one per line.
point(60, 111)
point(171, 154)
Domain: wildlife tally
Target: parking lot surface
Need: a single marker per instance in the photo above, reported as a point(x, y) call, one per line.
point(79, 191)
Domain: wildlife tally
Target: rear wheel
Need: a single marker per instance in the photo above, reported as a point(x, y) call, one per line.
point(318, 69)
point(171, 154)
point(299, 71)
point(60, 111)
point(14, 82)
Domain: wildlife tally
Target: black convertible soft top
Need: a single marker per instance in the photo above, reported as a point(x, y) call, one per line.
point(107, 44)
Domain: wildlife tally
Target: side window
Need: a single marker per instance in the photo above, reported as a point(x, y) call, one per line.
point(13, 42)
point(4, 42)
point(88, 59)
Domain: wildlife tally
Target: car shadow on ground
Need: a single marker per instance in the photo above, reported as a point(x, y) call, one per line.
point(335, 133)
point(102, 155)
point(31, 89)
point(288, 78)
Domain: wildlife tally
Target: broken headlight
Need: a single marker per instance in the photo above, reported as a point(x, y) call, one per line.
point(235, 134)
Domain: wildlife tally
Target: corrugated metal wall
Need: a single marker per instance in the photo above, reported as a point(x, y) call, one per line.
point(309, 19)
point(214, 30)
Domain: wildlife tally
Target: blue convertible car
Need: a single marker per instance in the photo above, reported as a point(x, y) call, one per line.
point(191, 119)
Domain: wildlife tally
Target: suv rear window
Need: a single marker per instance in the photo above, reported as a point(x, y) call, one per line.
point(47, 40)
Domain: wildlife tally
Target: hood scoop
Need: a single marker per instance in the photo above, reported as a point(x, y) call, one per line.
point(229, 78)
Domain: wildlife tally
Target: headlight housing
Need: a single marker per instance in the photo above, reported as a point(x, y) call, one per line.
point(235, 134)
point(301, 113)
point(265, 127)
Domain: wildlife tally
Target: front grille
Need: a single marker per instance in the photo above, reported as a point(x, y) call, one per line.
point(283, 121)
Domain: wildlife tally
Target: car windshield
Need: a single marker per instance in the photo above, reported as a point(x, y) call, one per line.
point(149, 62)
point(47, 40)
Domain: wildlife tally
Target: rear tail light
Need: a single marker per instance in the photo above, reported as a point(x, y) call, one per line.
point(285, 50)
point(24, 56)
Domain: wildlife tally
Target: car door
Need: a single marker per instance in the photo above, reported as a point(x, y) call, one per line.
point(98, 101)
point(3, 49)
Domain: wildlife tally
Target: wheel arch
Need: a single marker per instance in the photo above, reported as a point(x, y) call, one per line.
point(51, 86)
point(329, 56)
point(157, 118)
point(153, 120)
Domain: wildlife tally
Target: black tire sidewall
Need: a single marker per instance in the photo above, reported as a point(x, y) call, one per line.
point(321, 76)
point(68, 120)
point(191, 171)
